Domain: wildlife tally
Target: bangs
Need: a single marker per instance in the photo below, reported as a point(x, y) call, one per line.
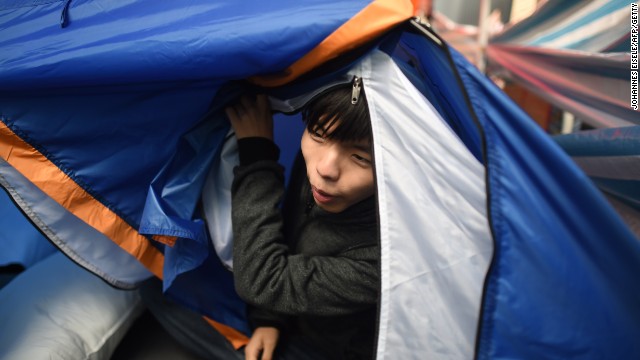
point(352, 122)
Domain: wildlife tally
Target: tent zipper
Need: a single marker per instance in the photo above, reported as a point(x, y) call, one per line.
point(295, 108)
point(355, 90)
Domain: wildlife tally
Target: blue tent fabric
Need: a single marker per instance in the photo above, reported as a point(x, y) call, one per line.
point(416, 56)
point(132, 41)
point(114, 105)
point(24, 245)
point(544, 298)
point(123, 69)
point(186, 78)
point(172, 209)
point(550, 225)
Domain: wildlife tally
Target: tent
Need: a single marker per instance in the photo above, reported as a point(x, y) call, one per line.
point(494, 244)
point(574, 54)
point(577, 56)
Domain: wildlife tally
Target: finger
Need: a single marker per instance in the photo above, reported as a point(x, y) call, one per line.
point(247, 102)
point(263, 102)
point(232, 114)
point(267, 352)
point(251, 352)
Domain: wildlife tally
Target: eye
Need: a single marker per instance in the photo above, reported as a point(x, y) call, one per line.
point(361, 160)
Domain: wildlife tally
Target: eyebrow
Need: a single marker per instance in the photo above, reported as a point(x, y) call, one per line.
point(360, 146)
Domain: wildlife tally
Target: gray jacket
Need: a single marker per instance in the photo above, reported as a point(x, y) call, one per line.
point(310, 272)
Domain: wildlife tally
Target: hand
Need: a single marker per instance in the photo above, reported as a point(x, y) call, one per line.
point(251, 117)
point(264, 339)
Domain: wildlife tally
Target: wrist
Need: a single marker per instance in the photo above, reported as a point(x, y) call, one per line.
point(254, 149)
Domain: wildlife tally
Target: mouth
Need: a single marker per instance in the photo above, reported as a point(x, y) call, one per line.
point(321, 196)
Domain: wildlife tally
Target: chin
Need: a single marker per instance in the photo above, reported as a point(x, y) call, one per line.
point(332, 208)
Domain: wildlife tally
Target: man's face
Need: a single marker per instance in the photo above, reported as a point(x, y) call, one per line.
point(340, 173)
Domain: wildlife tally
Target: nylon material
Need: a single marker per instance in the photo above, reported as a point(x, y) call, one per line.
point(598, 100)
point(170, 208)
point(175, 190)
point(102, 140)
point(574, 80)
point(545, 283)
point(623, 141)
point(608, 64)
point(24, 244)
point(83, 207)
point(216, 200)
point(599, 35)
point(627, 190)
point(384, 219)
point(140, 41)
point(557, 288)
point(182, 258)
point(236, 338)
point(595, 13)
point(439, 327)
point(611, 167)
point(15, 4)
point(292, 104)
point(602, 41)
point(630, 215)
point(596, 152)
point(443, 262)
point(431, 60)
point(99, 255)
point(63, 190)
point(156, 222)
point(376, 18)
point(548, 14)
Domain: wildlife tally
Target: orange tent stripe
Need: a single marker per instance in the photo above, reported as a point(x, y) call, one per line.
point(61, 188)
point(372, 21)
point(165, 239)
point(236, 338)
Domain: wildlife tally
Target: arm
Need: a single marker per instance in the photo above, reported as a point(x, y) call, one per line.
point(252, 123)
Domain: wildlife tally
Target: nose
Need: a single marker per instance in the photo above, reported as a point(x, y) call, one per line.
point(328, 166)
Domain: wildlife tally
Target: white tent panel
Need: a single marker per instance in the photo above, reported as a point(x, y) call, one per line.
point(435, 238)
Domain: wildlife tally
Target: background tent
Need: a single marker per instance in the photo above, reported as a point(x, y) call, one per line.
point(576, 55)
point(97, 112)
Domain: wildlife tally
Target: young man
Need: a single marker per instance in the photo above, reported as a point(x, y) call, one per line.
point(309, 270)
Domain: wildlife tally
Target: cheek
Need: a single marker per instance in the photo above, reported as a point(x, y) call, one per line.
point(303, 142)
point(306, 146)
point(364, 185)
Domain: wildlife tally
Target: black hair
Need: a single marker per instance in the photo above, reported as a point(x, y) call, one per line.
point(354, 121)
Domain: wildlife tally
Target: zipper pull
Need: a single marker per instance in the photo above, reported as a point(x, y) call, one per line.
point(355, 91)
